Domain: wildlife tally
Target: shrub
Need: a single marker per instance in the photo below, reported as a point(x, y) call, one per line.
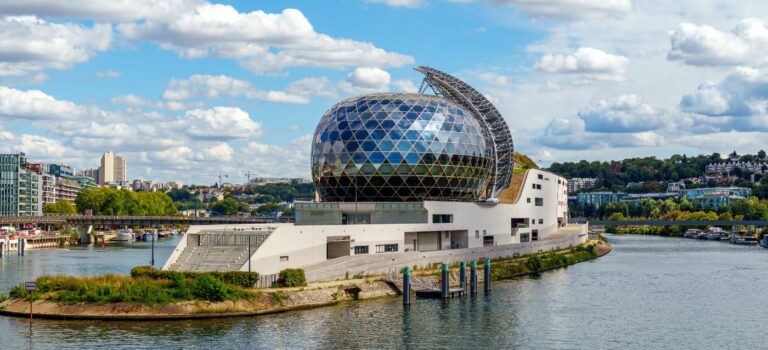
point(534, 264)
point(3, 297)
point(18, 292)
point(207, 287)
point(239, 278)
point(292, 278)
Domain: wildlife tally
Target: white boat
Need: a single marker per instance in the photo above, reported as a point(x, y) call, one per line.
point(125, 235)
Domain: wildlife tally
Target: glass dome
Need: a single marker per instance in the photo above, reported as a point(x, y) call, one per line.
point(399, 147)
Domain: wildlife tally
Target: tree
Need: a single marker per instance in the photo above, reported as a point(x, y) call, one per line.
point(761, 154)
point(267, 209)
point(60, 207)
point(110, 201)
point(227, 206)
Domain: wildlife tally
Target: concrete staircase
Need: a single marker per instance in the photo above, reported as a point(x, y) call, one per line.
point(211, 258)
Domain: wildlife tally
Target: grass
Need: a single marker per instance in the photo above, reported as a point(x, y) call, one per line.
point(535, 264)
point(108, 289)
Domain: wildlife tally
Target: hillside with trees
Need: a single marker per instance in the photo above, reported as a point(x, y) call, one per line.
point(649, 174)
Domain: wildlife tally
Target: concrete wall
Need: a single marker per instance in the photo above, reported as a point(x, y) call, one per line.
point(571, 235)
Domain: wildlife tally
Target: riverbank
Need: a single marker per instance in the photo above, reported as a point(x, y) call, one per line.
point(268, 301)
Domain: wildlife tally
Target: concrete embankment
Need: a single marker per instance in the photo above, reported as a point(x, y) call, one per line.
point(265, 301)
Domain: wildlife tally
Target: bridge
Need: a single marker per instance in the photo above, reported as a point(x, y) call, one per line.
point(673, 222)
point(97, 220)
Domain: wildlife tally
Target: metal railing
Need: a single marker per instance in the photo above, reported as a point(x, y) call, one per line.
point(267, 281)
point(229, 239)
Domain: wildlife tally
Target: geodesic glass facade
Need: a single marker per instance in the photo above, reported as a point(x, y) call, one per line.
point(400, 147)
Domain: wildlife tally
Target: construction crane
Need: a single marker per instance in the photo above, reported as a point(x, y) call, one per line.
point(220, 176)
point(248, 175)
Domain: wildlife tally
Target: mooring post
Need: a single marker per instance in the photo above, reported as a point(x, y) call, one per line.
point(20, 246)
point(473, 277)
point(444, 284)
point(2, 248)
point(463, 276)
point(487, 275)
point(406, 285)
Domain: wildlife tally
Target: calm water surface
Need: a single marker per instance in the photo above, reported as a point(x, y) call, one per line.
point(650, 292)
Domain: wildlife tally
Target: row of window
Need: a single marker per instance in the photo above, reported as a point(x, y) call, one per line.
point(380, 248)
point(536, 186)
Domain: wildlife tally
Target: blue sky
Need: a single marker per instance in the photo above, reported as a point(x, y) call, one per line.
point(185, 88)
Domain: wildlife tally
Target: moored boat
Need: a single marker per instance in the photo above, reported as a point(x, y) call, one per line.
point(125, 235)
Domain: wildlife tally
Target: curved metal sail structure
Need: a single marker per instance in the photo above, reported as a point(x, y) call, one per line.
point(448, 86)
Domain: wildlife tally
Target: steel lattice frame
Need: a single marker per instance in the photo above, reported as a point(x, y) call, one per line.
point(501, 146)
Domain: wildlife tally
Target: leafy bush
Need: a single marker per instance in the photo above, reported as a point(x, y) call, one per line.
point(3, 297)
point(239, 278)
point(18, 292)
point(534, 264)
point(292, 278)
point(211, 288)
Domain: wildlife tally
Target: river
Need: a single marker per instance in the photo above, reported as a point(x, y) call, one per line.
point(650, 292)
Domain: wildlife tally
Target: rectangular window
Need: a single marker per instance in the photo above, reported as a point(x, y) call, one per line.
point(538, 186)
point(541, 221)
point(386, 248)
point(487, 241)
point(539, 202)
point(541, 176)
point(524, 237)
point(284, 258)
point(529, 199)
point(533, 221)
point(477, 233)
point(361, 249)
point(534, 186)
point(442, 218)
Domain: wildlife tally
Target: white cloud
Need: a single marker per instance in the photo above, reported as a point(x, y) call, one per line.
point(35, 105)
point(591, 64)
point(213, 87)
point(399, 3)
point(570, 134)
point(405, 86)
point(130, 100)
point(624, 114)
point(367, 80)
point(104, 10)
point(220, 123)
point(703, 45)
point(108, 74)
point(743, 92)
point(29, 44)
point(569, 9)
point(262, 42)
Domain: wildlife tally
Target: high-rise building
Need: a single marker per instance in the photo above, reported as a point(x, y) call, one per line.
point(19, 186)
point(92, 173)
point(112, 169)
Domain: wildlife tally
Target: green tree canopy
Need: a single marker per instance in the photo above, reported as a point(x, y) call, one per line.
point(60, 207)
point(110, 201)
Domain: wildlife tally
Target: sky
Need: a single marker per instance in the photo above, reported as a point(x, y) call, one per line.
point(186, 89)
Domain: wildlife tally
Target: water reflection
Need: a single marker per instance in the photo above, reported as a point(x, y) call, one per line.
point(650, 292)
